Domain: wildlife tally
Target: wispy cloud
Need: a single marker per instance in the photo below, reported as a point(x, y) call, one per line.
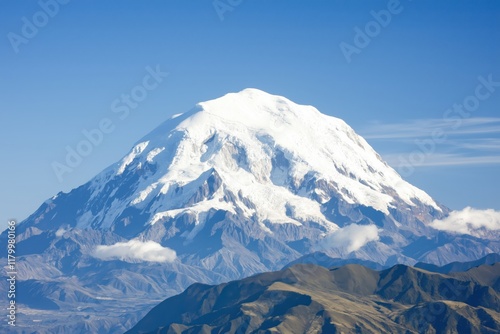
point(445, 160)
point(421, 128)
point(469, 141)
point(490, 144)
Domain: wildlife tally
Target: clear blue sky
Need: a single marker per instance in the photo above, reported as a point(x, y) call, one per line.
point(64, 78)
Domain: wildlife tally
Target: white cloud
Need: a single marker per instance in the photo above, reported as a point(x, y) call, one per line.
point(423, 128)
point(135, 250)
point(441, 159)
point(352, 237)
point(489, 144)
point(438, 142)
point(470, 221)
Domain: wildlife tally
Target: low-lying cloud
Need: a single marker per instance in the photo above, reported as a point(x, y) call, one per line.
point(470, 221)
point(352, 237)
point(135, 250)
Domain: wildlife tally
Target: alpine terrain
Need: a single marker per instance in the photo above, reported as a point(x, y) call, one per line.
point(239, 185)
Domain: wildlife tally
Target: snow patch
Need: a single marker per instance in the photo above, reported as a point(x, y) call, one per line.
point(144, 194)
point(60, 232)
point(136, 151)
point(153, 153)
point(200, 207)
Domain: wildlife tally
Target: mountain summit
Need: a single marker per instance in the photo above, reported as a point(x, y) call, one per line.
point(251, 168)
point(241, 184)
point(275, 155)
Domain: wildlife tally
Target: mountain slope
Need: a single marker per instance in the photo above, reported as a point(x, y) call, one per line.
point(242, 184)
point(459, 266)
point(272, 168)
point(313, 299)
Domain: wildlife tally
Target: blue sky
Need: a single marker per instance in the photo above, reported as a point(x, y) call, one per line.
point(395, 89)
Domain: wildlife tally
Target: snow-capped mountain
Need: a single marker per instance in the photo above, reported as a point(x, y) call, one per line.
point(241, 184)
point(269, 153)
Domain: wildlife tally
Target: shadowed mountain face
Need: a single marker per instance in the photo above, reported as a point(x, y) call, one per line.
point(351, 299)
point(322, 259)
point(239, 185)
point(459, 266)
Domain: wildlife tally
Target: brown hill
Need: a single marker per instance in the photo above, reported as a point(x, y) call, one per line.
point(307, 298)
